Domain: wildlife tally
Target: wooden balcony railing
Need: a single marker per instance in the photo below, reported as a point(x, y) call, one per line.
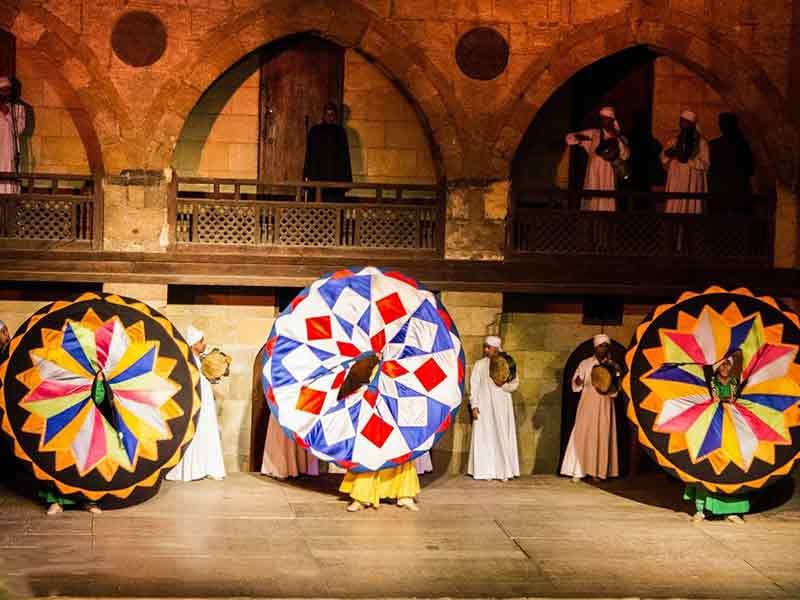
point(45, 210)
point(286, 217)
point(550, 222)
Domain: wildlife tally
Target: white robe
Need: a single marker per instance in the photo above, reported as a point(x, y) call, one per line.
point(8, 145)
point(423, 463)
point(493, 450)
point(203, 457)
point(690, 176)
point(599, 172)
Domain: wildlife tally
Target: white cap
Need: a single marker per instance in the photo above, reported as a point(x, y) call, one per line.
point(193, 335)
point(689, 115)
point(608, 111)
point(493, 341)
point(601, 338)
point(5, 82)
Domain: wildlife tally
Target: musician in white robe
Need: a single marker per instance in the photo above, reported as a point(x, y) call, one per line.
point(493, 452)
point(203, 457)
point(600, 172)
point(686, 158)
point(12, 124)
point(592, 447)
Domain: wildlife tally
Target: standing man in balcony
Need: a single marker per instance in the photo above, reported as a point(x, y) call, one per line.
point(493, 452)
point(686, 158)
point(606, 146)
point(12, 124)
point(731, 166)
point(328, 153)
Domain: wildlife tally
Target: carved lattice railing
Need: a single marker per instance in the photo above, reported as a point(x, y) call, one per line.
point(49, 210)
point(549, 222)
point(240, 214)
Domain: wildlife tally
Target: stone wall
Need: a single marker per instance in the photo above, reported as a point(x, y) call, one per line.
point(51, 142)
point(387, 142)
point(677, 88)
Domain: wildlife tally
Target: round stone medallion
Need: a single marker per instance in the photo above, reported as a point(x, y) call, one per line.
point(139, 38)
point(482, 53)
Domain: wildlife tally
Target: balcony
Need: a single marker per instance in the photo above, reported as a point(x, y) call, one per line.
point(51, 211)
point(307, 218)
point(550, 223)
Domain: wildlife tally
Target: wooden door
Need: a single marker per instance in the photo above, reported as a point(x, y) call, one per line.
point(7, 54)
point(298, 77)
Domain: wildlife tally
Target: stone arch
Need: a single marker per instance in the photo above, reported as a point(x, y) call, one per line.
point(739, 80)
point(345, 22)
point(76, 74)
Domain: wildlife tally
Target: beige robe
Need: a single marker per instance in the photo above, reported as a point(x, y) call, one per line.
point(599, 172)
point(689, 177)
point(8, 145)
point(592, 447)
point(283, 457)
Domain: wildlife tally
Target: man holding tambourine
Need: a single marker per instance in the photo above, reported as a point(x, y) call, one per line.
point(592, 447)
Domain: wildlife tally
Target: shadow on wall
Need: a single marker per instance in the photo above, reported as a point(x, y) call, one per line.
point(209, 107)
point(259, 416)
point(354, 141)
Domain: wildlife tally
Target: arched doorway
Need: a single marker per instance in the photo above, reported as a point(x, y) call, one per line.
point(570, 399)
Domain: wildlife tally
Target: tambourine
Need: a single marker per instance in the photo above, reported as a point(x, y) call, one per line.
point(215, 365)
point(605, 379)
point(502, 368)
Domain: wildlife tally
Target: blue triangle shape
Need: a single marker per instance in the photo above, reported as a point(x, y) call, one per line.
point(364, 321)
point(347, 326)
point(361, 285)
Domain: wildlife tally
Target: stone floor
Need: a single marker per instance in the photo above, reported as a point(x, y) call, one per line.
point(539, 536)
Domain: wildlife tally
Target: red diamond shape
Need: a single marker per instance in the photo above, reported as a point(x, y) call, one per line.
point(348, 349)
point(270, 395)
point(391, 308)
point(310, 400)
point(300, 441)
point(378, 341)
point(460, 371)
point(371, 396)
point(337, 383)
point(393, 369)
point(346, 464)
point(318, 328)
point(377, 431)
point(270, 347)
point(430, 374)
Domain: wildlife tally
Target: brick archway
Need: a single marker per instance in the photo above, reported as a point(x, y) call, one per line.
point(342, 21)
point(73, 69)
point(741, 82)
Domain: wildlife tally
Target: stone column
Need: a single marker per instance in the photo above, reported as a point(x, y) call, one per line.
point(135, 217)
point(476, 215)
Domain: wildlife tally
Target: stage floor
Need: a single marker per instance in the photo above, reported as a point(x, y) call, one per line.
point(539, 536)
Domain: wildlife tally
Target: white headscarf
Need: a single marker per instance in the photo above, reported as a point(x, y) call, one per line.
point(690, 116)
point(5, 82)
point(2, 323)
point(493, 341)
point(193, 335)
point(608, 111)
point(601, 338)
